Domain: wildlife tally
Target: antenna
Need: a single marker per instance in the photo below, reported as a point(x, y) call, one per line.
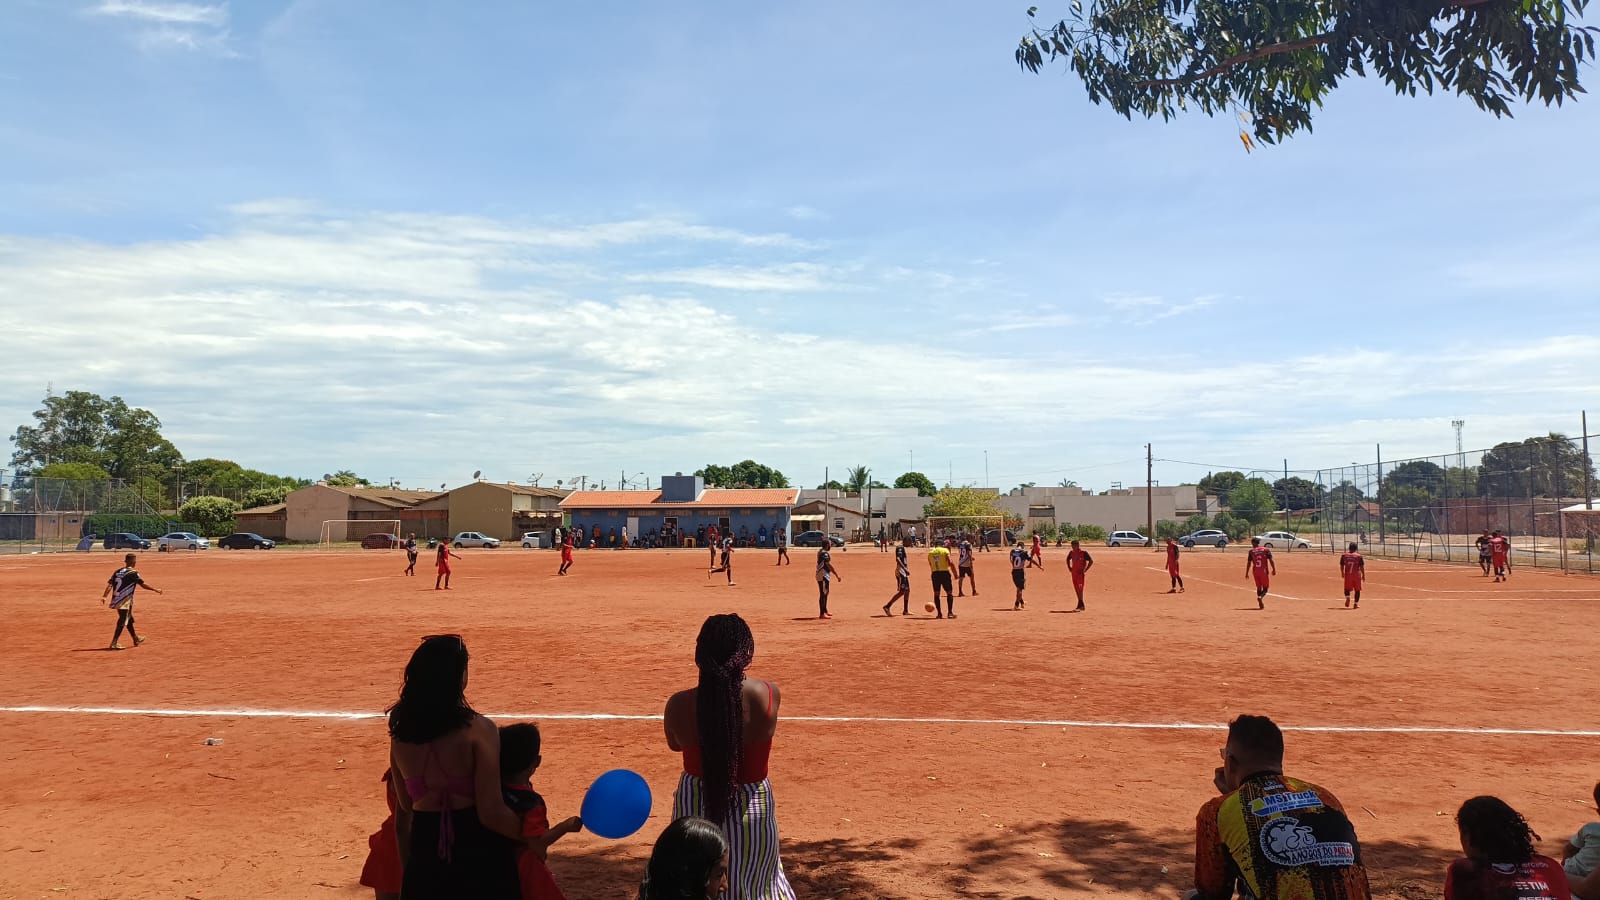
point(1458, 424)
point(534, 478)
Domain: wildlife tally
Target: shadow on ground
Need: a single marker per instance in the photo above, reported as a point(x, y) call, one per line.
point(1043, 859)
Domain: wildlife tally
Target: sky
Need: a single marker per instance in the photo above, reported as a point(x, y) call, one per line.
point(424, 239)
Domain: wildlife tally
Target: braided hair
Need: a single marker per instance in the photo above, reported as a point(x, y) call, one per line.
point(1497, 833)
point(723, 651)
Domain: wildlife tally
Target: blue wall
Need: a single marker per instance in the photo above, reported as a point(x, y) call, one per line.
point(688, 522)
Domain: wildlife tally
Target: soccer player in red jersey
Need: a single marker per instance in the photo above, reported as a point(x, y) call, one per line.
point(1078, 563)
point(442, 564)
point(1172, 567)
point(566, 555)
point(1036, 555)
point(1354, 569)
point(1500, 553)
point(1256, 565)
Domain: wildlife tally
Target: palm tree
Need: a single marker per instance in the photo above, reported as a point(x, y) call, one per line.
point(857, 478)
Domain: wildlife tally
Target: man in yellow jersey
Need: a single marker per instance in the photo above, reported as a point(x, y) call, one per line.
point(1271, 836)
point(939, 563)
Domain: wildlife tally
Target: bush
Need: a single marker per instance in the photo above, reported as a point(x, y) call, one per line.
point(1235, 528)
point(144, 526)
point(1166, 528)
point(1195, 523)
point(213, 516)
point(1090, 533)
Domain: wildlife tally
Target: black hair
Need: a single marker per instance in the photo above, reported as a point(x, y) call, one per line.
point(1255, 542)
point(1597, 795)
point(519, 747)
point(432, 700)
point(681, 863)
point(1497, 833)
point(1257, 736)
point(1353, 547)
point(723, 651)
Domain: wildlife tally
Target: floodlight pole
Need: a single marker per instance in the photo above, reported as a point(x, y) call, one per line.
point(1149, 495)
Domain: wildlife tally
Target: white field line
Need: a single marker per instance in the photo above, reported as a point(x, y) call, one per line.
point(1245, 585)
point(871, 720)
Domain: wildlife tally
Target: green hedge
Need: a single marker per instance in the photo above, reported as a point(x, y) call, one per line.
point(101, 524)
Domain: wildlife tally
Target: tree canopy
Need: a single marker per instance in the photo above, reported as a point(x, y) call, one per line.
point(1275, 62)
point(963, 502)
point(921, 482)
point(1298, 493)
point(744, 474)
point(1220, 483)
point(1252, 501)
point(1548, 466)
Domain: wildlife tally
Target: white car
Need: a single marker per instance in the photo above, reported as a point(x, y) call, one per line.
point(531, 540)
point(1283, 539)
point(474, 539)
point(1131, 538)
point(182, 540)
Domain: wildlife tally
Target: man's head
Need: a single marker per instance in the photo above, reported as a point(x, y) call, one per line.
point(1255, 744)
point(1255, 542)
point(1352, 546)
point(1075, 544)
point(130, 559)
point(1497, 532)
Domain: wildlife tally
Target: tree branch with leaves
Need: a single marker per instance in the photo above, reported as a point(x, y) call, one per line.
point(1276, 62)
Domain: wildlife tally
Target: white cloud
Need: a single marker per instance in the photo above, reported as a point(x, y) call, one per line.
point(805, 213)
point(1144, 310)
point(297, 341)
point(162, 26)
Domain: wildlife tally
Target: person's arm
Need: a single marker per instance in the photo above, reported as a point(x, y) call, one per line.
point(1272, 562)
point(146, 585)
point(1213, 867)
point(835, 572)
point(487, 792)
point(667, 716)
point(1088, 563)
point(1586, 888)
point(402, 807)
point(539, 845)
point(1569, 851)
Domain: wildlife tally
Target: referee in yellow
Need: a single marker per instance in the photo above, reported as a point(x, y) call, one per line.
point(939, 563)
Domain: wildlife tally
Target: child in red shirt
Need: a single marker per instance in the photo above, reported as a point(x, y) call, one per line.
point(1500, 859)
point(382, 871)
point(519, 759)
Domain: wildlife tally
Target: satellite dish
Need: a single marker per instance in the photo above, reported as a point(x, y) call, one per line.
point(477, 474)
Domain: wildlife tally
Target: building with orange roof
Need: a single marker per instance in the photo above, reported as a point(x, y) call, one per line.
point(684, 506)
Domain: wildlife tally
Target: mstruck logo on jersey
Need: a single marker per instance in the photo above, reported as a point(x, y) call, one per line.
point(1287, 842)
point(1274, 804)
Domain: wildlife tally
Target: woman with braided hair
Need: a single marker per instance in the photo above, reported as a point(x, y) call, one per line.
point(724, 728)
point(1500, 858)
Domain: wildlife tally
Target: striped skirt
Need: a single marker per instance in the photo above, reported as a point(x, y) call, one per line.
point(754, 870)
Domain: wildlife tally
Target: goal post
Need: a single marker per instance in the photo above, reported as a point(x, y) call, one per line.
point(968, 528)
point(346, 531)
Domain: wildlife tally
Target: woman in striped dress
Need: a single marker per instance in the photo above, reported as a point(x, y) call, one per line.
point(724, 729)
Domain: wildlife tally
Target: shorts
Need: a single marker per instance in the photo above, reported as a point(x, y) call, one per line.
point(942, 579)
point(1262, 582)
point(966, 572)
point(1019, 577)
point(903, 582)
point(1352, 584)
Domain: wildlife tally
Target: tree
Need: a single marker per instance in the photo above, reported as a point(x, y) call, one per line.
point(80, 426)
point(1252, 501)
point(744, 474)
point(1277, 61)
point(921, 482)
point(1027, 484)
point(1167, 528)
point(264, 496)
point(1231, 525)
point(832, 485)
point(1425, 476)
point(715, 475)
point(1461, 481)
point(73, 471)
point(1298, 493)
point(963, 502)
point(1549, 466)
point(1066, 482)
point(1196, 522)
point(857, 478)
point(1220, 484)
point(1345, 494)
point(346, 478)
point(875, 483)
point(213, 516)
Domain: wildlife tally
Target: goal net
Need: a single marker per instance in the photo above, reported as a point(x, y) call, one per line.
point(976, 529)
point(345, 531)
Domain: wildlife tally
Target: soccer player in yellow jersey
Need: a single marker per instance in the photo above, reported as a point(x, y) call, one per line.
point(943, 571)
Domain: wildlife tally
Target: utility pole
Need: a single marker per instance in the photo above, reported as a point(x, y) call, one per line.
point(986, 469)
point(1588, 488)
point(1149, 496)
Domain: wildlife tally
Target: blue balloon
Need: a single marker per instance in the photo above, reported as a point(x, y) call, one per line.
point(617, 804)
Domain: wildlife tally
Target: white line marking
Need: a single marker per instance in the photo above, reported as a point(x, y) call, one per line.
point(882, 720)
point(1250, 589)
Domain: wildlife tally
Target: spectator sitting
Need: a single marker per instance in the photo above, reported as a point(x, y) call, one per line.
point(689, 862)
point(1500, 861)
point(1581, 856)
point(1271, 833)
point(519, 759)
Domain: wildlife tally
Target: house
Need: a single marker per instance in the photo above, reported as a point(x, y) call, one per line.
point(505, 511)
point(685, 505)
point(842, 518)
point(271, 521)
point(308, 508)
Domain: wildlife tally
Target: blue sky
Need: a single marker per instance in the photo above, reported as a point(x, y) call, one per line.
point(421, 239)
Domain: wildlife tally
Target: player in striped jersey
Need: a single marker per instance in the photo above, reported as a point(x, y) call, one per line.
point(120, 587)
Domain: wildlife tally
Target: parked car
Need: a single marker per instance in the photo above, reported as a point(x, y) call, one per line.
point(474, 539)
point(992, 536)
point(125, 540)
point(1283, 539)
point(815, 539)
point(182, 540)
point(380, 541)
point(246, 540)
point(532, 540)
point(1131, 538)
point(1211, 537)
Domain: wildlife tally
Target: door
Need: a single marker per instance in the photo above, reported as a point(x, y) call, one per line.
point(633, 527)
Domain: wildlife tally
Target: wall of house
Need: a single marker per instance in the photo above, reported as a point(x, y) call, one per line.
point(751, 520)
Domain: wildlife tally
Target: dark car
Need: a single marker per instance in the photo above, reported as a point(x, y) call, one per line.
point(992, 536)
point(380, 541)
point(815, 539)
point(125, 540)
point(246, 540)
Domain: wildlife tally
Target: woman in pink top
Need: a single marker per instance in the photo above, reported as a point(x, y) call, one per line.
point(452, 823)
point(724, 728)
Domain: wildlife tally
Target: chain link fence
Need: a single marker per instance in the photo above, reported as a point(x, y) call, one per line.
point(51, 514)
point(1540, 493)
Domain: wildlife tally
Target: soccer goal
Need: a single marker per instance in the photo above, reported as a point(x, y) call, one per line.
point(968, 528)
point(344, 531)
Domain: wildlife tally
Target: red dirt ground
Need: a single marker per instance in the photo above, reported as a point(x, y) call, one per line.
point(136, 805)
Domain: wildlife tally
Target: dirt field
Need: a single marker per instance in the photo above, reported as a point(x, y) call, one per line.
point(1004, 754)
